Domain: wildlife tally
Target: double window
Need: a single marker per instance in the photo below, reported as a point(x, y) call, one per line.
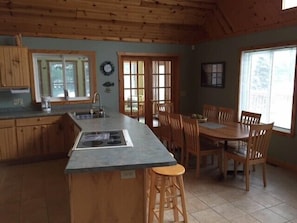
point(267, 82)
point(63, 75)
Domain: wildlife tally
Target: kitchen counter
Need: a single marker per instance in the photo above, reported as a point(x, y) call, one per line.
point(110, 184)
point(147, 150)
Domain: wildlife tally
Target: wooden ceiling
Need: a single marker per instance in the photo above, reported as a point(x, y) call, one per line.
point(164, 21)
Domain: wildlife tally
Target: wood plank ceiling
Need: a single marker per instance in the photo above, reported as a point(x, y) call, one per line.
point(168, 21)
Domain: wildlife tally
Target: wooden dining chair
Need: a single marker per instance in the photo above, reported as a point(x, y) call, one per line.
point(225, 114)
point(194, 147)
point(164, 129)
point(177, 135)
point(210, 112)
point(252, 153)
point(246, 118)
point(249, 118)
point(166, 107)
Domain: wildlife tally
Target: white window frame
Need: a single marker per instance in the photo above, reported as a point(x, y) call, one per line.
point(287, 4)
point(245, 83)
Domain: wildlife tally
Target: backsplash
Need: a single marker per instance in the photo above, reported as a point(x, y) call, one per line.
point(17, 101)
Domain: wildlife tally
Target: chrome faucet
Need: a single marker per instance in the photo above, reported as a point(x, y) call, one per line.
point(96, 97)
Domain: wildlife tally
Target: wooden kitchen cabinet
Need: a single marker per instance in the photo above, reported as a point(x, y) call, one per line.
point(71, 131)
point(8, 145)
point(40, 136)
point(14, 67)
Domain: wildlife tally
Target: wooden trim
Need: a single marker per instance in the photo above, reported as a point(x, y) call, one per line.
point(282, 164)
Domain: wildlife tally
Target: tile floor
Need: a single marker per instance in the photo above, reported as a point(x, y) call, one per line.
point(38, 193)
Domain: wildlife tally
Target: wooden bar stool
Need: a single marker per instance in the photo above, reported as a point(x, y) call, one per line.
point(168, 182)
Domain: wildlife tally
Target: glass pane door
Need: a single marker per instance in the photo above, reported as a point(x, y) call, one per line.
point(145, 82)
point(134, 89)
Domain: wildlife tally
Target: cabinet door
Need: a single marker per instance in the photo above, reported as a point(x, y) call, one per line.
point(29, 140)
point(14, 68)
point(53, 138)
point(8, 146)
point(71, 131)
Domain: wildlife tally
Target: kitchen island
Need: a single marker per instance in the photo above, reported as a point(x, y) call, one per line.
point(109, 184)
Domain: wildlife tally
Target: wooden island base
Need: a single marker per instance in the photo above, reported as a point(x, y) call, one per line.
point(108, 196)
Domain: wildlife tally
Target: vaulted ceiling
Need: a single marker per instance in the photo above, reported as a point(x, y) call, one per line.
point(166, 21)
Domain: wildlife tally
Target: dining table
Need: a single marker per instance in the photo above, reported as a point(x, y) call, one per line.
point(225, 131)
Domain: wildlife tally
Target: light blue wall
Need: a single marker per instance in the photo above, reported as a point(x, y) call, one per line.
point(107, 51)
point(192, 96)
point(228, 50)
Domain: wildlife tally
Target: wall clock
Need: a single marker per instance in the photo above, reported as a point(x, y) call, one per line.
point(107, 68)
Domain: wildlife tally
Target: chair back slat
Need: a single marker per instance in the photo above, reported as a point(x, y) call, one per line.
point(164, 126)
point(210, 111)
point(258, 142)
point(176, 130)
point(191, 132)
point(225, 114)
point(249, 118)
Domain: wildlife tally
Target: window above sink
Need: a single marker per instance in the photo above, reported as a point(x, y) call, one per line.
point(64, 76)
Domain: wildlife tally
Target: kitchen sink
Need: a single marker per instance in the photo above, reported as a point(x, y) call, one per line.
point(87, 115)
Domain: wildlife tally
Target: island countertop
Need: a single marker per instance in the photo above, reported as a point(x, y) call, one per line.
point(147, 150)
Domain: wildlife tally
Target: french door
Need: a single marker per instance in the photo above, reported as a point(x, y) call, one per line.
point(146, 81)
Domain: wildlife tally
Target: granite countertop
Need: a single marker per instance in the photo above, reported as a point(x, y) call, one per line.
point(147, 150)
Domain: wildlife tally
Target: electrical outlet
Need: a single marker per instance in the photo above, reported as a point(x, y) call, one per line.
point(18, 101)
point(128, 174)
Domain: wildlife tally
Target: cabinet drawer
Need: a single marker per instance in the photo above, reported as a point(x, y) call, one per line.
point(37, 120)
point(6, 123)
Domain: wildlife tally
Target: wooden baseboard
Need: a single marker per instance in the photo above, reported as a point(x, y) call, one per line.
point(282, 164)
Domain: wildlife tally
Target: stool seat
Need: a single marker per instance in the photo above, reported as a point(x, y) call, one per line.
point(174, 170)
point(167, 184)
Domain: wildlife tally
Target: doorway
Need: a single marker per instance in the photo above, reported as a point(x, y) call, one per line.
point(146, 81)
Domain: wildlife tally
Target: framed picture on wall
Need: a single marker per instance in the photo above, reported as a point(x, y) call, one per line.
point(213, 74)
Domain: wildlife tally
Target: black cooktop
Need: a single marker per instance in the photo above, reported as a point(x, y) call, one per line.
point(101, 139)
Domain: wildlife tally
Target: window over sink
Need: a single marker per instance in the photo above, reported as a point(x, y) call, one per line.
point(64, 76)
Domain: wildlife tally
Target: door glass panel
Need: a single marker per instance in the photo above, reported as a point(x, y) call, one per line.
point(134, 89)
point(161, 81)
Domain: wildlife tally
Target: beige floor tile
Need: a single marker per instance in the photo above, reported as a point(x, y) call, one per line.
point(38, 192)
point(247, 205)
point(268, 216)
point(285, 211)
point(245, 219)
point(212, 199)
point(194, 204)
point(228, 211)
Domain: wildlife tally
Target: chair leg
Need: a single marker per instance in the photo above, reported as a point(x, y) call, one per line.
point(183, 200)
point(182, 156)
point(225, 161)
point(152, 199)
point(174, 201)
point(264, 174)
point(235, 167)
point(197, 166)
point(187, 160)
point(247, 176)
